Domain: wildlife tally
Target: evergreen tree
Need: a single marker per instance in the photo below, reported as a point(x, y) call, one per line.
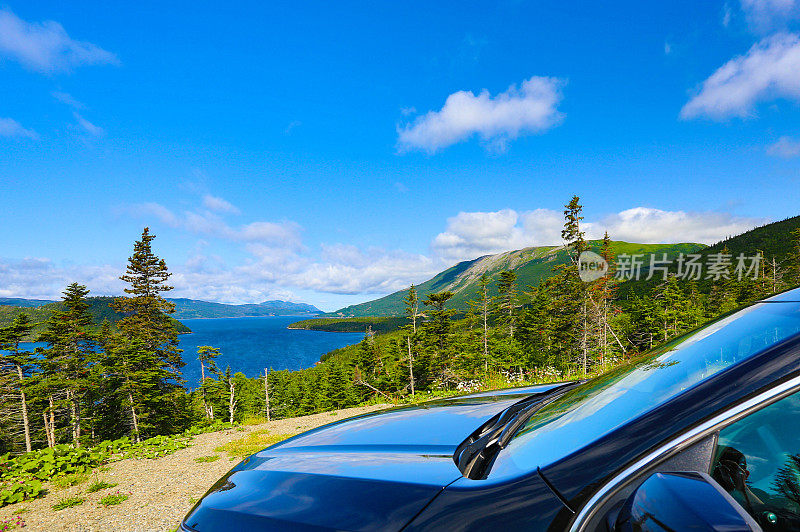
point(507, 287)
point(20, 363)
point(149, 358)
point(71, 351)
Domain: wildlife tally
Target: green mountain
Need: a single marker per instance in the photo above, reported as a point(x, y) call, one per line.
point(98, 307)
point(193, 308)
point(532, 265)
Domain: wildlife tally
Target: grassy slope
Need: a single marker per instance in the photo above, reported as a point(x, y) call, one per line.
point(98, 307)
point(532, 265)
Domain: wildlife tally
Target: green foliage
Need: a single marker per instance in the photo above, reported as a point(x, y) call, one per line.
point(112, 499)
point(207, 459)
point(14, 491)
point(68, 502)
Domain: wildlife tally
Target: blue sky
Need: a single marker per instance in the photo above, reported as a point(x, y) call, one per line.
point(330, 153)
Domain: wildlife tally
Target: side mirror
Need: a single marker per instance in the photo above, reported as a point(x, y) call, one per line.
point(682, 501)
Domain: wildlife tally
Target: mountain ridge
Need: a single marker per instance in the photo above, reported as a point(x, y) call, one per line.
point(532, 265)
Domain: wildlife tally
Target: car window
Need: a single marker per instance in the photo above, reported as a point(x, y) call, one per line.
point(593, 409)
point(757, 460)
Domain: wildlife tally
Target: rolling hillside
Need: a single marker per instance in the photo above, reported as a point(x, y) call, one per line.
point(531, 264)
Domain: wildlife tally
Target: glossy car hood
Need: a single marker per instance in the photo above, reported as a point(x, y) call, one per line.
point(372, 472)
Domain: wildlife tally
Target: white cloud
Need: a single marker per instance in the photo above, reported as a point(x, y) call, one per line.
point(218, 204)
point(11, 128)
point(45, 47)
point(531, 108)
point(767, 15)
point(648, 225)
point(785, 147)
point(472, 234)
point(769, 70)
point(95, 131)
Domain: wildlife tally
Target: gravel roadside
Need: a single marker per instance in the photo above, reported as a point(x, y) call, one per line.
point(161, 490)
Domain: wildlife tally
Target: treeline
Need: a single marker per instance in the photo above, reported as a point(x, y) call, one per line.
point(86, 386)
point(563, 328)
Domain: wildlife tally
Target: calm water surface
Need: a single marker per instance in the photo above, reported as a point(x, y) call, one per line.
point(251, 344)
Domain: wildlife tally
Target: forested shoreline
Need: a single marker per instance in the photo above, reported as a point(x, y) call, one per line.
point(87, 385)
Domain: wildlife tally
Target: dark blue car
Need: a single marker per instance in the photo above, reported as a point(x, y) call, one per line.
point(701, 434)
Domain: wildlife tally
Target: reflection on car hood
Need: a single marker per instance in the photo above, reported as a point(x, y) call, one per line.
point(372, 472)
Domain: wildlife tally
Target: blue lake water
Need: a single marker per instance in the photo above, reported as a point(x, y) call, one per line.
point(251, 344)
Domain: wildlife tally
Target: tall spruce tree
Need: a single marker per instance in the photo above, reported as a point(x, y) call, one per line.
point(148, 359)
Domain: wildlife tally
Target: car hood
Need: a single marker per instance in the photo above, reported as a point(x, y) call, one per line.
point(371, 472)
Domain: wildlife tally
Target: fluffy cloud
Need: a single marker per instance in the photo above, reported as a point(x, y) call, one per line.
point(647, 225)
point(11, 128)
point(45, 47)
point(472, 234)
point(769, 70)
point(785, 147)
point(531, 108)
point(765, 15)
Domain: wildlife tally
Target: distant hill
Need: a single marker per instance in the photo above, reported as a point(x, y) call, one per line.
point(193, 308)
point(532, 265)
point(98, 307)
point(19, 302)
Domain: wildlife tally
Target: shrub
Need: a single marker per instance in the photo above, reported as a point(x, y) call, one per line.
point(14, 491)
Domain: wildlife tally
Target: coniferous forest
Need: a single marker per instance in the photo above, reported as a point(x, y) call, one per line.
point(90, 384)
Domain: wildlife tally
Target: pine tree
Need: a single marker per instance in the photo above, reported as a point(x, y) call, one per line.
point(71, 351)
point(149, 359)
point(21, 363)
point(507, 287)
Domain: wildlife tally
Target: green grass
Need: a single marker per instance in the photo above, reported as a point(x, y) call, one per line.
point(99, 485)
point(205, 459)
point(250, 444)
point(115, 498)
point(68, 502)
point(68, 481)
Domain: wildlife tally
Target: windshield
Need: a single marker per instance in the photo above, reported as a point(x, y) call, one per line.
point(589, 411)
